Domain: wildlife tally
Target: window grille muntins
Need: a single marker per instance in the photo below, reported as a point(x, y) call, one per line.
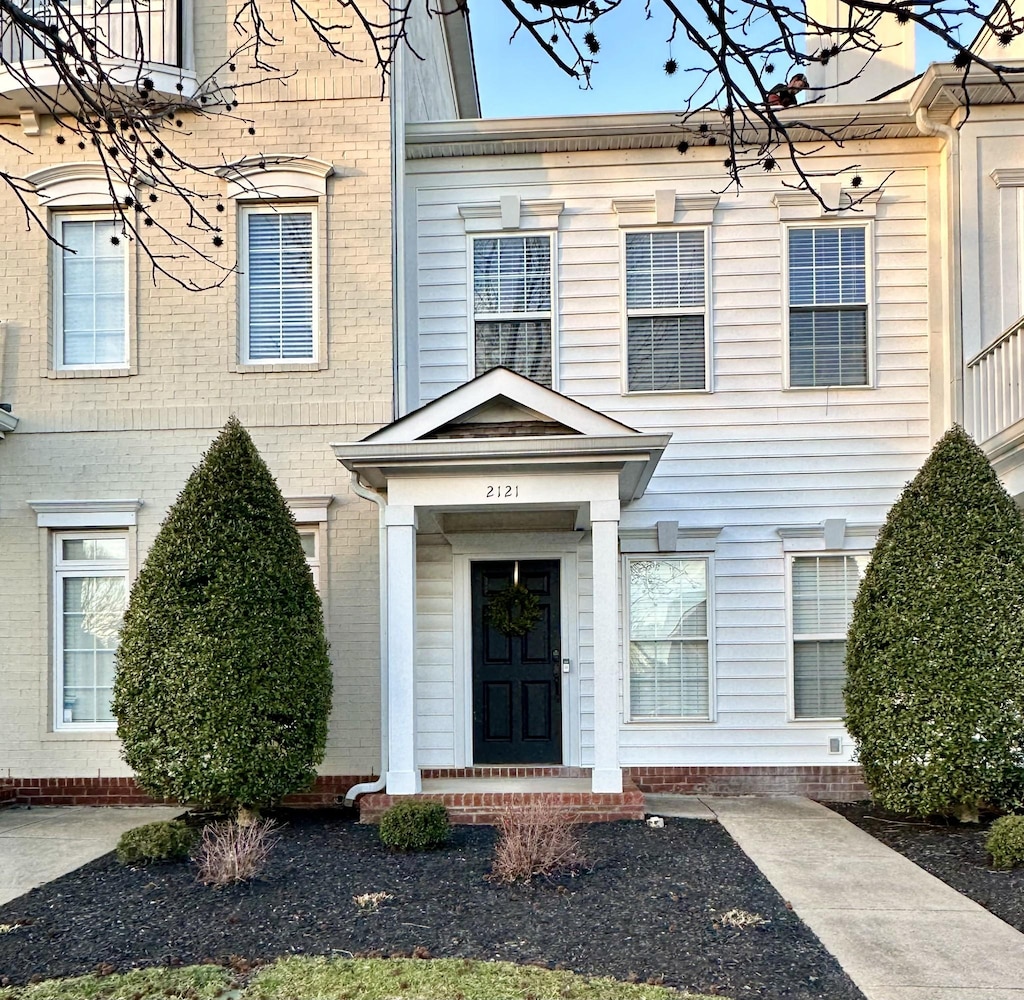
point(824, 588)
point(279, 303)
point(666, 311)
point(91, 594)
point(90, 300)
point(668, 639)
point(512, 305)
point(828, 312)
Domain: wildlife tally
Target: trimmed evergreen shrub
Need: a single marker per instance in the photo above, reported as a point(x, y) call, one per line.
point(223, 681)
point(415, 825)
point(935, 650)
point(1005, 841)
point(165, 840)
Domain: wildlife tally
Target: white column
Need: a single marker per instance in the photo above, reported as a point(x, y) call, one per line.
point(403, 777)
point(607, 774)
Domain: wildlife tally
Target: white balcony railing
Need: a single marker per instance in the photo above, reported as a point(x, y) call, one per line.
point(995, 385)
point(141, 32)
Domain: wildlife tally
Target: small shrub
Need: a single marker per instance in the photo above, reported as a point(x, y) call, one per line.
point(230, 852)
point(535, 838)
point(1006, 841)
point(372, 901)
point(740, 919)
point(415, 826)
point(166, 840)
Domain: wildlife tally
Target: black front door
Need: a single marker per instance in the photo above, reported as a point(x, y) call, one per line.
point(517, 698)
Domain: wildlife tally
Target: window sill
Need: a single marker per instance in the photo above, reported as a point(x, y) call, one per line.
point(92, 372)
point(251, 367)
point(828, 388)
point(60, 735)
point(686, 720)
point(704, 391)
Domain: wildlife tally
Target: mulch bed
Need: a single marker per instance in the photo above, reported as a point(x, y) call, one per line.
point(952, 851)
point(645, 908)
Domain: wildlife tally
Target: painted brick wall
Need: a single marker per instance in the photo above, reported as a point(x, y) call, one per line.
point(84, 436)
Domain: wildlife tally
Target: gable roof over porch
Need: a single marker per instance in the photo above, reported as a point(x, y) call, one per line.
point(503, 421)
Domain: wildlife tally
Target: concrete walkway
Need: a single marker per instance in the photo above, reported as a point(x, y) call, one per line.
point(38, 845)
point(898, 932)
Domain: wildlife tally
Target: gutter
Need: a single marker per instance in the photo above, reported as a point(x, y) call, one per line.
point(951, 137)
point(379, 785)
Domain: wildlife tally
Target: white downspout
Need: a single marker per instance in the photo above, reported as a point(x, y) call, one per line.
point(377, 786)
point(956, 361)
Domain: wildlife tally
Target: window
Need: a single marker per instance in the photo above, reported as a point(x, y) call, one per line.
point(310, 539)
point(668, 639)
point(512, 305)
point(823, 591)
point(666, 311)
point(90, 596)
point(90, 305)
point(278, 300)
point(828, 313)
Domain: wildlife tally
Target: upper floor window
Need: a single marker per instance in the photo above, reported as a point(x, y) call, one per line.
point(668, 639)
point(823, 591)
point(828, 311)
point(666, 336)
point(91, 593)
point(90, 293)
point(278, 284)
point(512, 305)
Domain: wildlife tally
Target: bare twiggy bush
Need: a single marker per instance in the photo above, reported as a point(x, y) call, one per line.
point(230, 853)
point(535, 837)
point(740, 919)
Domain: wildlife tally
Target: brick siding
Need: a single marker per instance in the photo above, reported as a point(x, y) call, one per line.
point(839, 783)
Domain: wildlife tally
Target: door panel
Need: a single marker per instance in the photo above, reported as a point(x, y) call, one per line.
point(517, 710)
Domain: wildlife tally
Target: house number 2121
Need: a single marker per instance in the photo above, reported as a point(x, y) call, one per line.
point(500, 492)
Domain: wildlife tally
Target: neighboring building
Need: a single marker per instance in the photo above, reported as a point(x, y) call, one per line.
point(677, 418)
point(120, 383)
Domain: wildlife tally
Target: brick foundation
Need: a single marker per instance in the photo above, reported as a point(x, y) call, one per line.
point(839, 783)
point(326, 791)
point(485, 808)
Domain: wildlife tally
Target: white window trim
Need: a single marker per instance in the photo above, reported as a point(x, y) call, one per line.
point(551, 315)
point(706, 312)
point(57, 284)
point(310, 514)
point(59, 570)
point(669, 722)
point(870, 267)
point(791, 557)
point(277, 364)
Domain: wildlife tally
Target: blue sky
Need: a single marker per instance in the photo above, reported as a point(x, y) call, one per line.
point(518, 79)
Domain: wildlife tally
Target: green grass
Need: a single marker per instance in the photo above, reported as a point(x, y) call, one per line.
point(303, 978)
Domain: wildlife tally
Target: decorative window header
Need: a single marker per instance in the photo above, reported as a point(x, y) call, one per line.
point(76, 185)
point(666, 208)
point(85, 513)
point(277, 177)
point(510, 212)
point(803, 206)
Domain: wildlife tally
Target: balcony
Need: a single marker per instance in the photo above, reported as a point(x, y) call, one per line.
point(134, 39)
point(994, 410)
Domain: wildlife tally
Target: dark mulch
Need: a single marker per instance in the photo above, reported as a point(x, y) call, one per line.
point(645, 908)
point(952, 851)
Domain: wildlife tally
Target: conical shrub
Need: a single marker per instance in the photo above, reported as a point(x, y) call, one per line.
point(223, 680)
point(935, 650)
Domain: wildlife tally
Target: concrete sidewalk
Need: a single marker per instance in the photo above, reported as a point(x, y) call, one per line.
point(38, 845)
point(898, 932)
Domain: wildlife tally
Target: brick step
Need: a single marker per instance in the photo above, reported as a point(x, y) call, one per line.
point(484, 799)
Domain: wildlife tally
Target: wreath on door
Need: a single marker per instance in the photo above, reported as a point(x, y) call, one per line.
point(513, 611)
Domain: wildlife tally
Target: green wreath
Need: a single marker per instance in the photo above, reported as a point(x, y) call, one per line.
point(513, 611)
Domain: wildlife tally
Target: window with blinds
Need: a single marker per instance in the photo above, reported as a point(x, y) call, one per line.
point(90, 300)
point(666, 311)
point(668, 639)
point(824, 588)
point(828, 312)
point(512, 305)
point(278, 301)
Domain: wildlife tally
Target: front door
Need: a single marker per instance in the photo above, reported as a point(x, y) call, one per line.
point(517, 697)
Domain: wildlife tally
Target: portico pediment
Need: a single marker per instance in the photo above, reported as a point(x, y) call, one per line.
point(501, 421)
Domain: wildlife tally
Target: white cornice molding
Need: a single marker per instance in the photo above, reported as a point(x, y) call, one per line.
point(85, 513)
point(666, 207)
point(309, 509)
point(802, 206)
point(1008, 176)
point(277, 176)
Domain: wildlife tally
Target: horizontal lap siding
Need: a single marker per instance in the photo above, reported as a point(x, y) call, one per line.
point(435, 678)
point(747, 458)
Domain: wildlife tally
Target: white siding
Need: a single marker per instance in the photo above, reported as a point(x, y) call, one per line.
point(750, 457)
